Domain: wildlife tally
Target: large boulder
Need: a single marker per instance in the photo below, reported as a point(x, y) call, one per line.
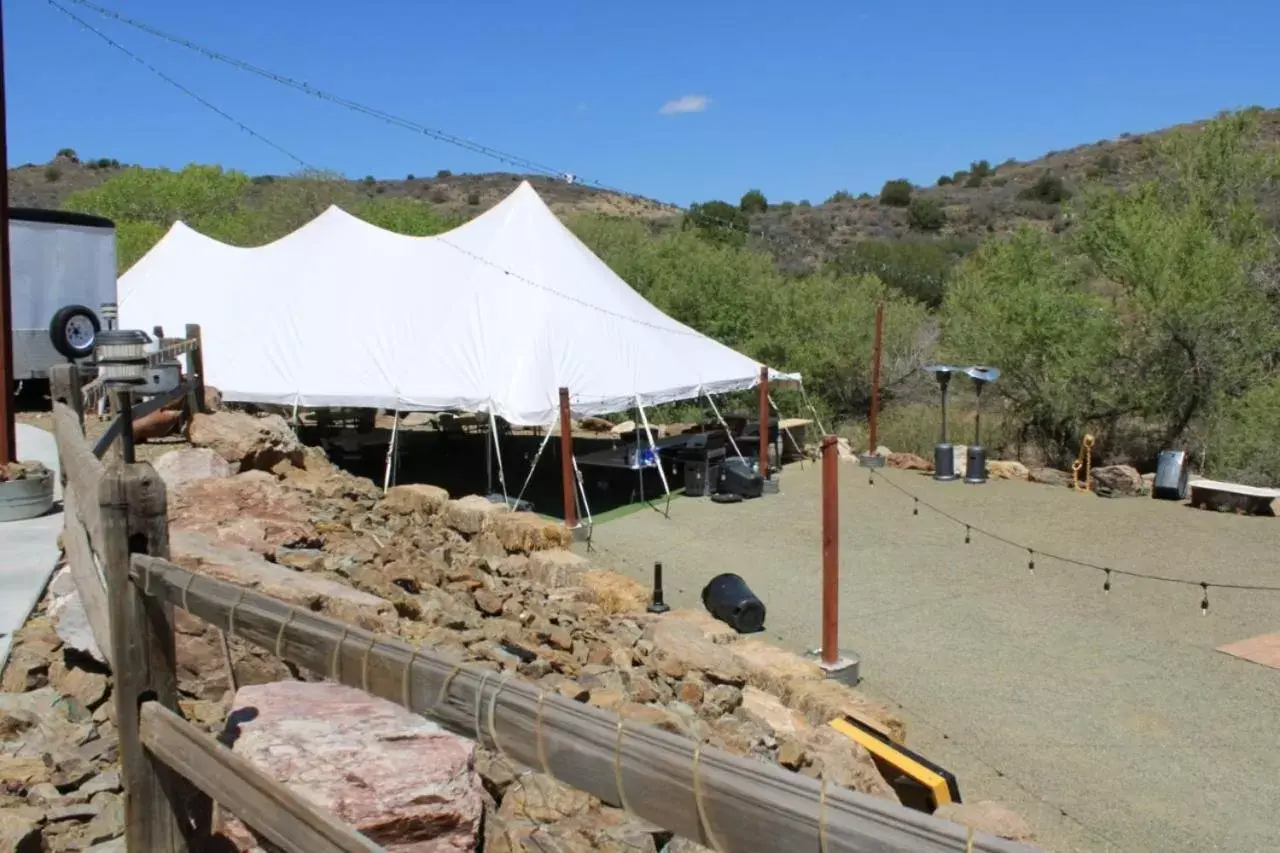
point(908, 462)
point(523, 532)
point(187, 465)
point(198, 553)
point(471, 514)
point(1007, 469)
point(1117, 481)
point(250, 510)
point(394, 776)
point(247, 441)
point(1050, 477)
point(991, 818)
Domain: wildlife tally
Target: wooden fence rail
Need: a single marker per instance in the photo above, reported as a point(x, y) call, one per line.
point(116, 540)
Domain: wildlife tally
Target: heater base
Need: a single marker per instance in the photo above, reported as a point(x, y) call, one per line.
point(976, 467)
point(944, 463)
point(847, 669)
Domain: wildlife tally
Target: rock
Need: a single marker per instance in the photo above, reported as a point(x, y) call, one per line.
point(772, 669)
point(188, 465)
point(302, 559)
point(823, 701)
point(681, 643)
point(1117, 481)
point(1007, 469)
point(961, 459)
point(768, 711)
point(20, 833)
point(614, 593)
point(791, 754)
point(838, 759)
point(212, 399)
point(88, 688)
point(198, 553)
point(250, 510)
point(43, 795)
point(555, 569)
point(991, 818)
point(471, 514)
point(845, 450)
point(202, 668)
point(159, 424)
point(1050, 477)
point(523, 532)
point(72, 624)
point(394, 776)
point(414, 497)
point(21, 772)
point(540, 798)
point(908, 462)
point(108, 781)
point(711, 627)
point(721, 699)
point(247, 441)
point(488, 602)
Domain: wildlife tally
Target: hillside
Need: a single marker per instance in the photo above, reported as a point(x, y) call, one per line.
point(974, 202)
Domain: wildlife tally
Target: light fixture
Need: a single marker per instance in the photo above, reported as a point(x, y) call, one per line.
point(976, 464)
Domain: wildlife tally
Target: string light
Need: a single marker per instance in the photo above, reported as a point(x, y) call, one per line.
point(1107, 572)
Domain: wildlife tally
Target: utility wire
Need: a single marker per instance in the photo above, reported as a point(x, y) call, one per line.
point(1032, 552)
point(174, 83)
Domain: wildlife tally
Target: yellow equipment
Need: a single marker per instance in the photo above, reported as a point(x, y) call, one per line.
point(1084, 460)
point(919, 782)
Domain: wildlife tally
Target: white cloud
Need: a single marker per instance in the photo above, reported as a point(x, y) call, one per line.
point(685, 104)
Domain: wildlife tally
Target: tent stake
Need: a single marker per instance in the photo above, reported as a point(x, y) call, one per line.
point(566, 461)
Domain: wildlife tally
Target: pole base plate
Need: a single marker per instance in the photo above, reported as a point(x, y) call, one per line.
point(871, 460)
point(847, 669)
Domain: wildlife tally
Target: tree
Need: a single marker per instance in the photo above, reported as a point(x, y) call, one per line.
point(944, 180)
point(753, 201)
point(918, 269)
point(719, 222)
point(840, 195)
point(926, 214)
point(896, 193)
point(1048, 188)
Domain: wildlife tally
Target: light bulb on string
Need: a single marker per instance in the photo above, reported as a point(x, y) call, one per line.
point(1106, 583)
point(1204, 602)
point(967, 537)
point(1031, 560)
point(915, 509)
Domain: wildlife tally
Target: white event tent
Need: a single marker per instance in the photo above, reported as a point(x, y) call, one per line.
point(494, 316)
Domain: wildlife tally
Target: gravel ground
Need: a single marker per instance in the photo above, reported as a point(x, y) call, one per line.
point(1108, 720)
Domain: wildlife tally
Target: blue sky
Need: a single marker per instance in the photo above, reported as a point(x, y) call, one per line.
point(801, 98)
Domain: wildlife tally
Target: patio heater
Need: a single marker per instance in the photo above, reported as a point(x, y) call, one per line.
point(121, 358)
point(944, 455)
point(976, 467)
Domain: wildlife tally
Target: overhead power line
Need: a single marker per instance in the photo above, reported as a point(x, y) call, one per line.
point(180, 87)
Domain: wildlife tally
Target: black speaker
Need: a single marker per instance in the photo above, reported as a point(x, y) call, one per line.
point(737, 478)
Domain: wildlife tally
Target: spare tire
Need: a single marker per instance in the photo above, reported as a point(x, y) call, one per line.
point(73, 331)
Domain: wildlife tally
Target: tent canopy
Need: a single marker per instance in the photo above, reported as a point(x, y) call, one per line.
point(493, 316)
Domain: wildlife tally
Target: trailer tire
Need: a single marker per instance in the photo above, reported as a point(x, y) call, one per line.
point(69, 331)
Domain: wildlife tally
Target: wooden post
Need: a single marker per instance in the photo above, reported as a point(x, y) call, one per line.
point(830, 552)
point(156, 802)
point(8, 426)
point(65, 388)
point(195, 368)
point(873, 438)
point(567, 479)
point(764, 422)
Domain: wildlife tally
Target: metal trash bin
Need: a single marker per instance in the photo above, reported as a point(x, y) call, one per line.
point(1171, 476)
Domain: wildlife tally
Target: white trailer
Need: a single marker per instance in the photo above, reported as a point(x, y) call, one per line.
point(63, 268)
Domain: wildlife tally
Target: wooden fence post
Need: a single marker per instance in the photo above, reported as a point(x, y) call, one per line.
point(65, 388)
point(158, 805)
point(195, 368)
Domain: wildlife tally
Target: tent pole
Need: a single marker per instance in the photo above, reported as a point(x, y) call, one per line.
point(391, 451)
point(764, 422)
point(546, 439)
point(724, 424)
point(805, 399)
point(497, 450)
point(657, 460)
point(296, 398)
point(566, 461)
point(582, 489)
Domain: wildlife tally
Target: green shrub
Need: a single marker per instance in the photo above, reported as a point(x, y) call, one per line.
point(926, 214)
point(718, 222)
point(473, 198)
point(52, 173)
point(896, 193)
point(918, 269)
point(68, 154)
point(1244, 445)
point(753, 201)
point(840, 195)
point(444, 173)
point(945, 180)
point(1107, 164)
point(1048, 189)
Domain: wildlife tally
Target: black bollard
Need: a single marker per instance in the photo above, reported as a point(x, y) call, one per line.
point(657, 605)
point(728, 598)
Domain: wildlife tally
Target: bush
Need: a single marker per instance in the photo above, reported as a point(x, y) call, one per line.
point(840, 195)
point(410, 177)
point(719, 222)
point(918, 269)
point(444, 173)
point(1242, 445)
point(1107, 164)
point(52, 173)
point(1048, 189)
point(68, 154)
point(945, 180)
point(926, 214)
point(369, 180)
point(896, 193)
point(473, 198)
point(753, 201)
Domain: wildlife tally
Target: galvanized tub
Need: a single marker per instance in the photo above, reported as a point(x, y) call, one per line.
point(30, 497)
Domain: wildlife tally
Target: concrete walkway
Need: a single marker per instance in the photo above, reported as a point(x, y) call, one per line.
point(28, 549)
point(1108, 720)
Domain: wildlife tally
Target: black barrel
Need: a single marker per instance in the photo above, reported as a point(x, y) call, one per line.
point(728, 598)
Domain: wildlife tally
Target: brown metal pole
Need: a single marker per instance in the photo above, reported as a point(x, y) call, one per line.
point(8, 430)
point(566, 461)
point(873, 439)
point(830, 552)
point(764, 422)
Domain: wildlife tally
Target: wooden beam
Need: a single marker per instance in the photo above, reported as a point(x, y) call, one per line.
point(81, 470)
point(269, 807)
point(157, 814)
point(721, 800)
point(86, 574)
point(195, 368)
point(140, 411)
point(65, 387)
